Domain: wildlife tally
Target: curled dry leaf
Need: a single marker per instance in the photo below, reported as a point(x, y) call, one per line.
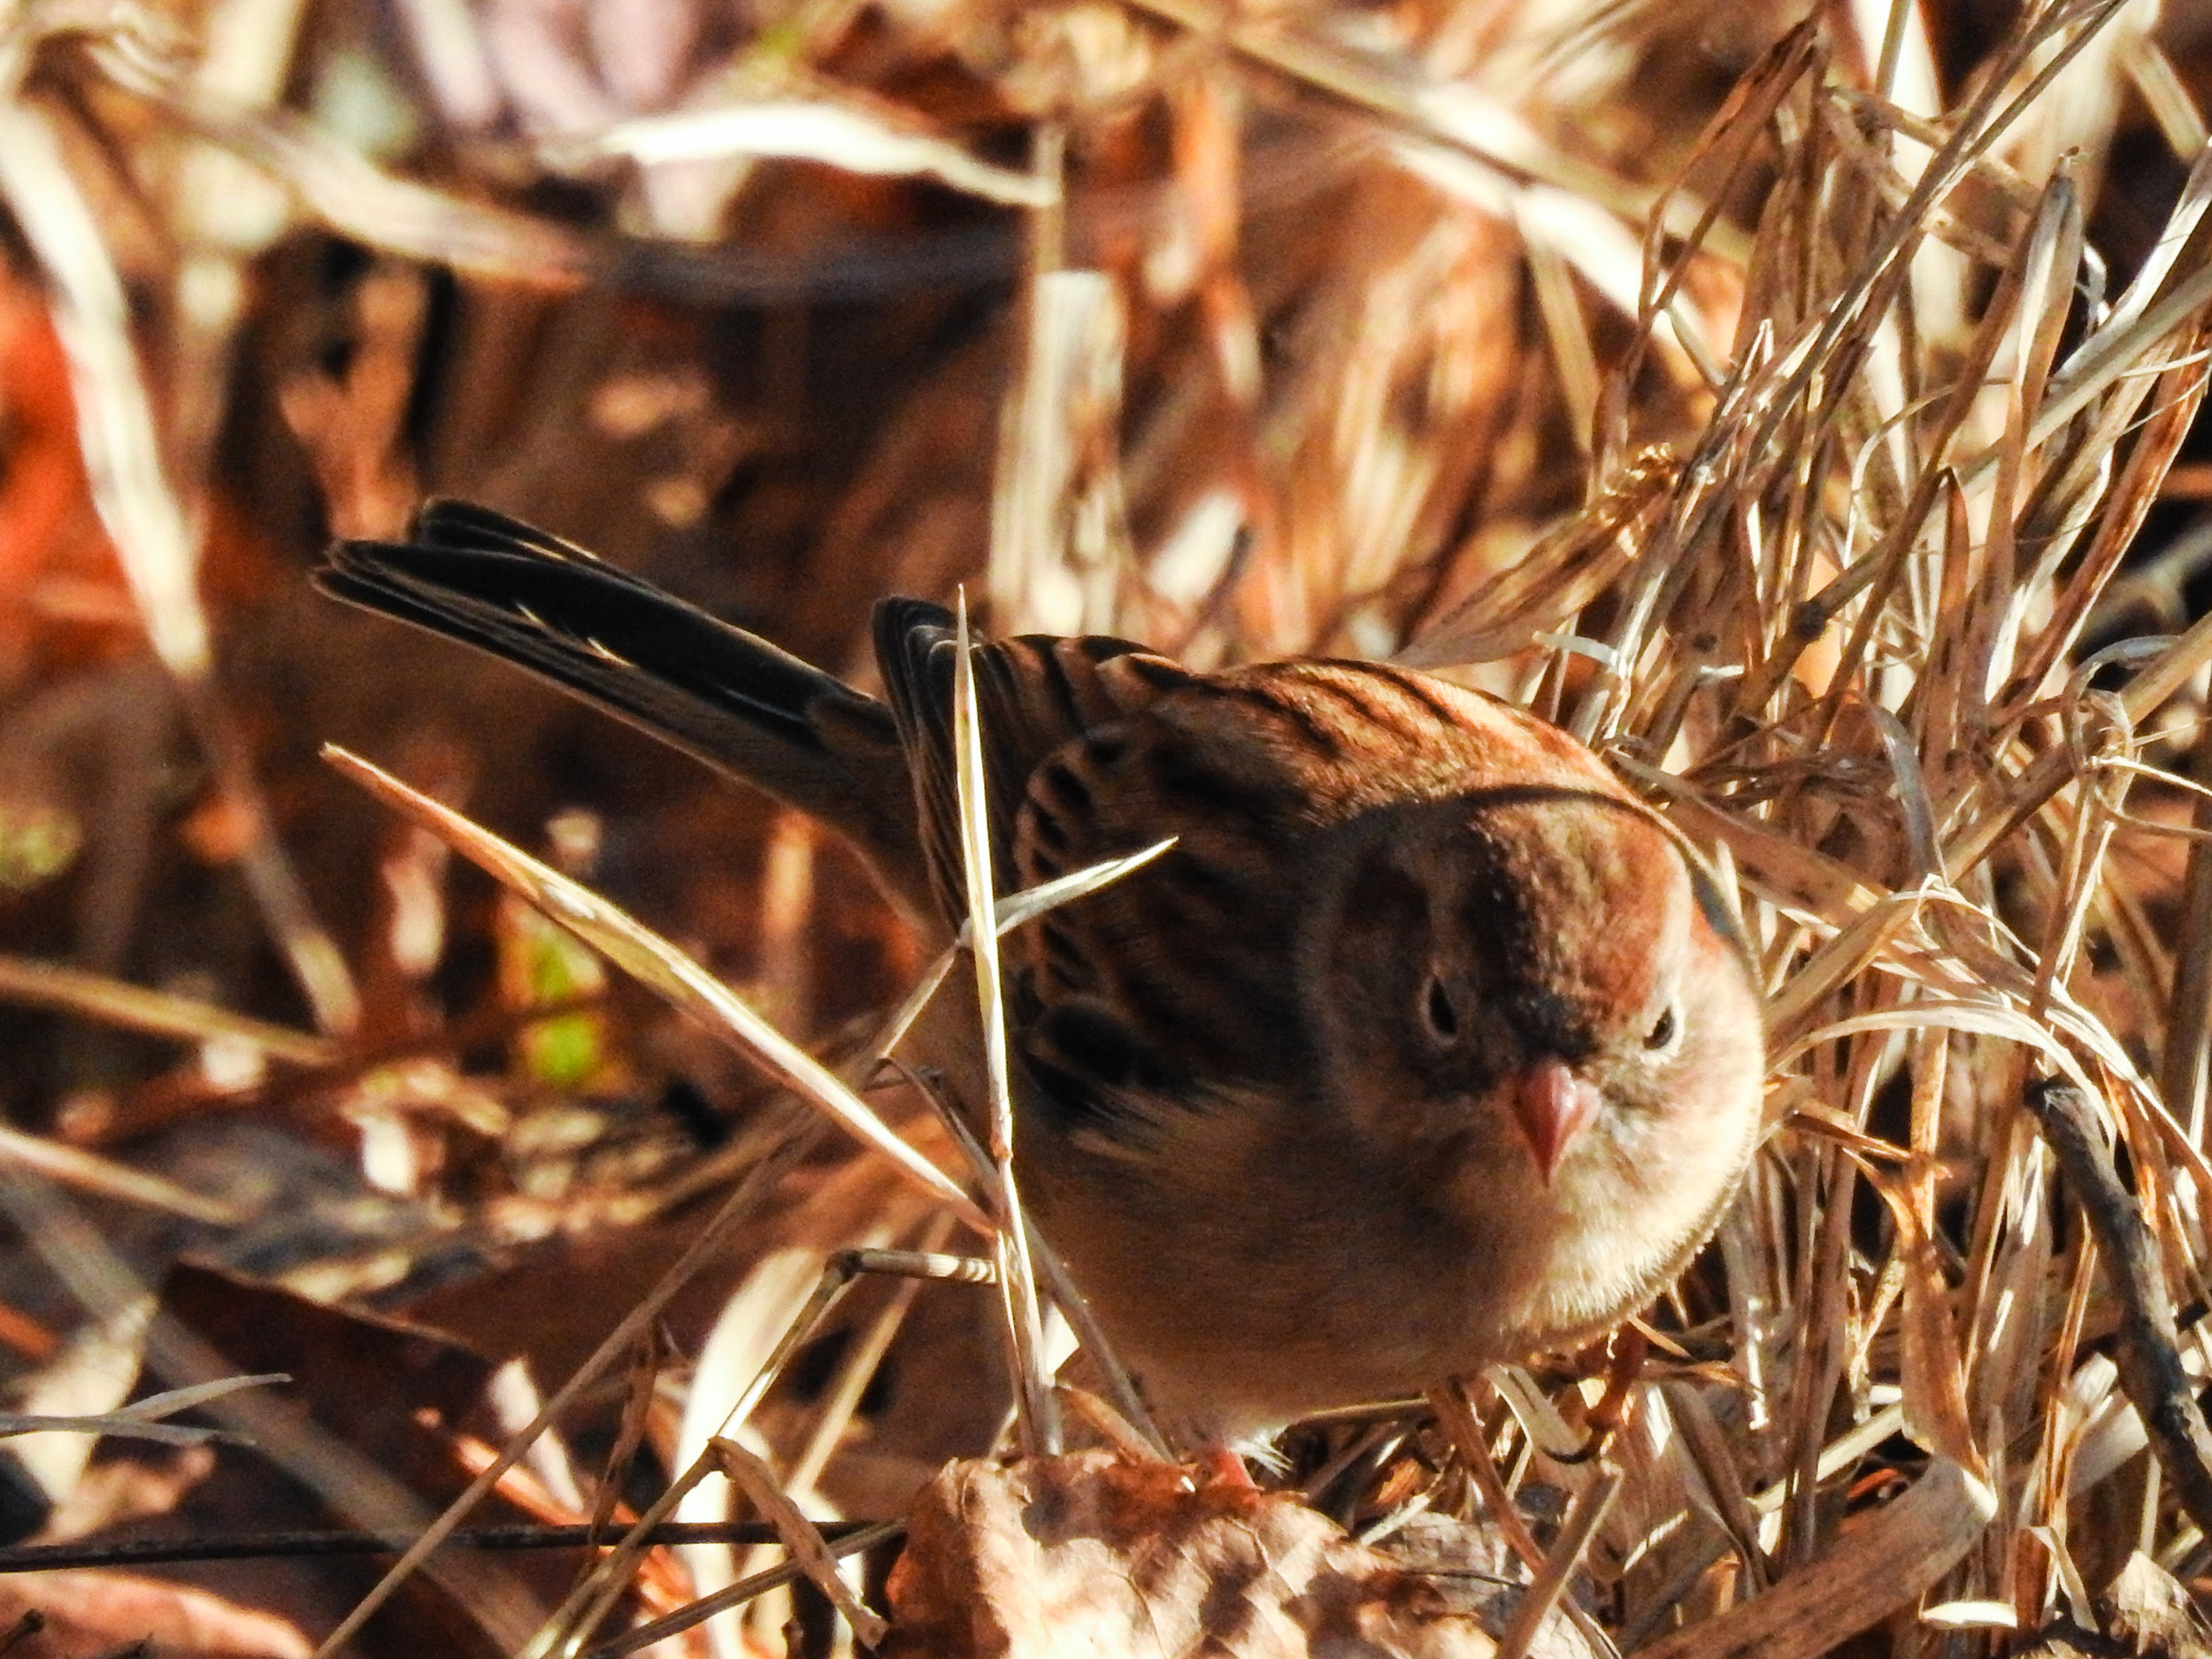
point(1089, 1553)
point(2148, 1608)
point(2149, 1614)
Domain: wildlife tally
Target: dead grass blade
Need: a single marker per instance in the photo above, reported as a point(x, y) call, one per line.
point(667, 971)
point(145, 519)
point(1884, 1563)
point(801, 1538)
point(1039, 1417)
point(95, 996)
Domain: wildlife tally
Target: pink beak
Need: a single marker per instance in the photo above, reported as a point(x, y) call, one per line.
point(1553, 1106)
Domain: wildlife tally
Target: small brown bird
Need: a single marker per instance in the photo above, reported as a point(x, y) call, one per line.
point(1426, 1045)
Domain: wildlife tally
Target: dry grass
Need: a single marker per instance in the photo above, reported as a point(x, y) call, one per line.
point(1786, 435)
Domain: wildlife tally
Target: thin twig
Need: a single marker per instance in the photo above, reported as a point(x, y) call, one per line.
point(318, 1542)
point(2151, 1371)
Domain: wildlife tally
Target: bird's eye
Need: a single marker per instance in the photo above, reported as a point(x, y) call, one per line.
point(1663, 1032)
point(1437, 1010)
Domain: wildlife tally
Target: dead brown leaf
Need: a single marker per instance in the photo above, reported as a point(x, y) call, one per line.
point(1089, 1553)
point(91, 1612)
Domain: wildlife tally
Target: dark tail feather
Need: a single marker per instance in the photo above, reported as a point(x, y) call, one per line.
point(715, 691)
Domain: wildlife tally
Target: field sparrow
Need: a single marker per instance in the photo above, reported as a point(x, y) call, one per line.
point(1426, 1045)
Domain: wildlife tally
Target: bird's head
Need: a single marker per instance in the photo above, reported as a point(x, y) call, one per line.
point(1540, 986)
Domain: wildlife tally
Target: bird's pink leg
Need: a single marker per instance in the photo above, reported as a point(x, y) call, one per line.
point(1625, 1361)
point(1224, 1467)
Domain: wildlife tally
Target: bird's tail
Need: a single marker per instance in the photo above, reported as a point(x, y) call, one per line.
point(724, 695)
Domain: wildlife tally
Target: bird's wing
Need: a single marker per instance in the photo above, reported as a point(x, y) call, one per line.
point(715, 691)
point(1035, 692)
